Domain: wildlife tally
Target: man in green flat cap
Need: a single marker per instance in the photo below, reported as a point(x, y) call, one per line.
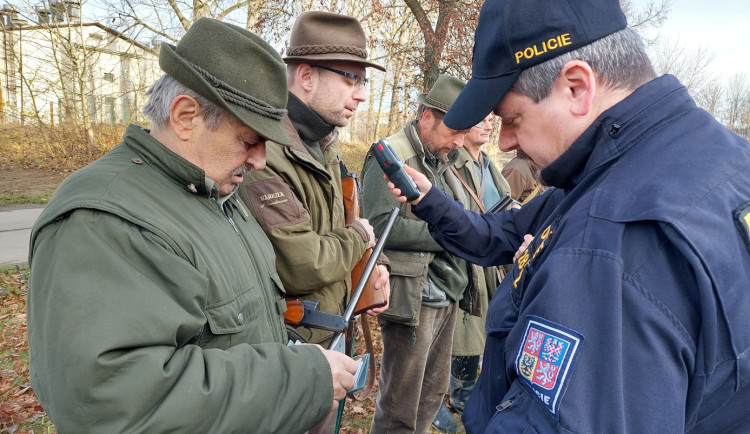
point(143, 314)
point(417, 328)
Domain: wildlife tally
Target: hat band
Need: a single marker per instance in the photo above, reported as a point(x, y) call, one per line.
point(437, 104)
point(304, 50)
point(240, 98)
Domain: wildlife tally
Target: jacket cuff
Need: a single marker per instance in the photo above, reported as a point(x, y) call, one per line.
point(357, 226)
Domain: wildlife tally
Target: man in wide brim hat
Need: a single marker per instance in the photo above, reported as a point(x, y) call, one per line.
point(209, 60)
point(316, 250)
point(150, 280)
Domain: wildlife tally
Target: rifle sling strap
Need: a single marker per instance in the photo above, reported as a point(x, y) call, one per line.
point(471, 192)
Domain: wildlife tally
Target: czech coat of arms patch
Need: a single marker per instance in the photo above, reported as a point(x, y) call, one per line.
point(546, 358)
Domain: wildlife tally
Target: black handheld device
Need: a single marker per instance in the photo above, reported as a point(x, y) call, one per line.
point(394, 168)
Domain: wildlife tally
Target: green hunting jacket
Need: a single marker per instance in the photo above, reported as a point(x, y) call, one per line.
point(469, 333)
point(153, 308)
point(411, 250)
point(298, 202)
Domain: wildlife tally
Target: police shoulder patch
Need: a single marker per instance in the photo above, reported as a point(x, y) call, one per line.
point(546, 358)
point(742, 222)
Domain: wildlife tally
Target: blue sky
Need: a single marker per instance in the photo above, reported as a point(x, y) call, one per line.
point(720, 26)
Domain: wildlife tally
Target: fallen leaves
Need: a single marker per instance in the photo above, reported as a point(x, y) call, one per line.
point(19, 407)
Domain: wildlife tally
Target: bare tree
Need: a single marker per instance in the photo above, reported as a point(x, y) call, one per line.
point(738, 103)
point(690, 66)
point(58, 63)
point(711, 98)
point(436, 19)
point(652, 16)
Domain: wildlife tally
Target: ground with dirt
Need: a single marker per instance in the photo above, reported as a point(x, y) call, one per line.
point(28, 182)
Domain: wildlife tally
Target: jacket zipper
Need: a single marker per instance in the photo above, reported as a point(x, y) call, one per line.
point(266, 303)
point(503, 405)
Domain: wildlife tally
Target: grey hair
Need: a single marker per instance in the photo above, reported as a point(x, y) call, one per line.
point(620, 61)
point(165, 90)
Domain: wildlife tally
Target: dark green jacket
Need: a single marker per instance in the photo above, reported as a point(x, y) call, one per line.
point(152, 308)
point(299, 204)
point(412, 252)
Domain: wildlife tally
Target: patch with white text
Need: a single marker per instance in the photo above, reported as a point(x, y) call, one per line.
point(742, 221)
point(274, 204)
point(546, 358)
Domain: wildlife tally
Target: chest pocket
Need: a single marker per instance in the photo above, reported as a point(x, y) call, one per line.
point(242, 319)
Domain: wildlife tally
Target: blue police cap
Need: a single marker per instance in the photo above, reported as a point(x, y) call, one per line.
point(513, 35)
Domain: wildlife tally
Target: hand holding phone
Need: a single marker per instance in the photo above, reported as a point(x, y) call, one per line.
point(394, 168)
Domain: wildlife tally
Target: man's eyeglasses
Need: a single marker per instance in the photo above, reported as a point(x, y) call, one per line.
point(359, 81)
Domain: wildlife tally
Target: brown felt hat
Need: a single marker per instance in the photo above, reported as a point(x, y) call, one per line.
point(234, 69)
point(443, 93)
point(318, 36)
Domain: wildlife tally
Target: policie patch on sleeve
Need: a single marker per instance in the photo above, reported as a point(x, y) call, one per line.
point(742, 221)
point(546, 358)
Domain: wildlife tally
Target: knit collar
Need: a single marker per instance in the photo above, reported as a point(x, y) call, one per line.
point(309, 125)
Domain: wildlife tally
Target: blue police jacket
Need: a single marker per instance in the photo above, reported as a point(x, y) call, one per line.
point(630, 311)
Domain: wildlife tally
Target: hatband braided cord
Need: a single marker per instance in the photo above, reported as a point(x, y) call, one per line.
point(303, 50)
point(239, 97)
point(437, 104)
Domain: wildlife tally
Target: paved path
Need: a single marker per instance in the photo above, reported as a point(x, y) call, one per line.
point(15, 229)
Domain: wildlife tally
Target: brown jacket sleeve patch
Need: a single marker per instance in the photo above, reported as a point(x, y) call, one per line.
point(274, 204)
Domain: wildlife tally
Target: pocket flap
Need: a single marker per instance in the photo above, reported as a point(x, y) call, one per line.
point(234, 315)
point(408, 264)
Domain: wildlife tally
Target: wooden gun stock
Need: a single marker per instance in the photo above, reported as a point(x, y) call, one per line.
point(371, 297)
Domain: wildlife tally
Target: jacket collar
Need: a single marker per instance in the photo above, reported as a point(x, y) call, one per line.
point(618, 129)
point(310, 127)
point(173, 166)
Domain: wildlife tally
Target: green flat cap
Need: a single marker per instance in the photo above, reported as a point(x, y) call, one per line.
point(234, 69)
point(443, 93)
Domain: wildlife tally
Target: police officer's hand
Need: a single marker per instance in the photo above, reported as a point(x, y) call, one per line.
point(527, 239)
point(382, 284)
point(423, 185)
point(343, 369)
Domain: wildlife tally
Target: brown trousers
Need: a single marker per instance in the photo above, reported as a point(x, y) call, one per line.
point(414, 371)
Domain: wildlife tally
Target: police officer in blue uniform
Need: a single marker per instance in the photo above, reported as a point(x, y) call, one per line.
point(630, 309)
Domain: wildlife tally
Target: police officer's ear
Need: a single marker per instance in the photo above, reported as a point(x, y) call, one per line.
point(577, 85)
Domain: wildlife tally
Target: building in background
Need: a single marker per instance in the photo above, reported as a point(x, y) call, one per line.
point(56, 69)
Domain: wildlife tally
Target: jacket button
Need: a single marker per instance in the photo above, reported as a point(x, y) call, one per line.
point(137, 160)
point(241, 318)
